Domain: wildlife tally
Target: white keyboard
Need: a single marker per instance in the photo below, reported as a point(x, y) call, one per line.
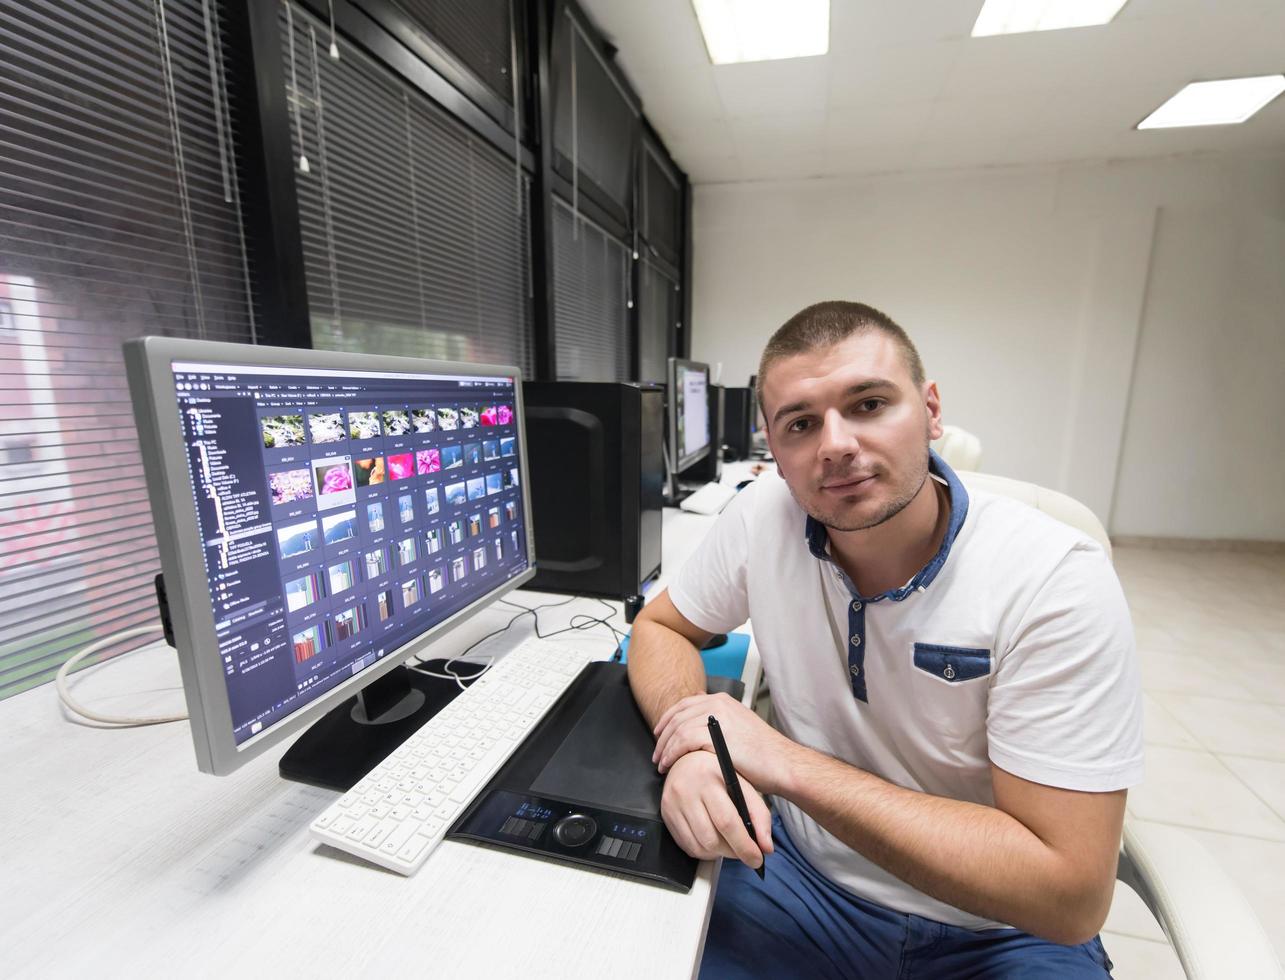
point(399, 811)
point(709, 499)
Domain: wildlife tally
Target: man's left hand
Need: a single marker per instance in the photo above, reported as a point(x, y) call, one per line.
point(758, 751)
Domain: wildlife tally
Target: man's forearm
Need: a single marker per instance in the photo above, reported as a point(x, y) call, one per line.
point(663, 668)
point(976, 858)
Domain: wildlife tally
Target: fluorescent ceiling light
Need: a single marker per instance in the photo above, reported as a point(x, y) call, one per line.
point(1232, 100)
point(763, 30)
point(1021, 16)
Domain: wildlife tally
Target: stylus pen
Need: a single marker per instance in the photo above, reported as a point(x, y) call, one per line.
point(733, 785)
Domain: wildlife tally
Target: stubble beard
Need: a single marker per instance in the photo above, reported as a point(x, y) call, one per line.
point(901, 500)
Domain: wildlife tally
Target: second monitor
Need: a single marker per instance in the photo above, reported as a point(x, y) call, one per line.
point(688, 439)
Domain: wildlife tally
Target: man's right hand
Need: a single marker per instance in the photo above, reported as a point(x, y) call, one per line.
point(701, 816)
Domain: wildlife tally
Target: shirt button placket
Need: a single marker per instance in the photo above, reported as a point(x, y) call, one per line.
point(856, 648)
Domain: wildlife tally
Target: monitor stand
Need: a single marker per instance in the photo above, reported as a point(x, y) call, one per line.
point(681, 491)
point(676, 490)
point(350, 740)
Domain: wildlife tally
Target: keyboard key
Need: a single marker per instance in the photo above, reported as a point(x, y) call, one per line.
point(397, 814)
point(414, 847)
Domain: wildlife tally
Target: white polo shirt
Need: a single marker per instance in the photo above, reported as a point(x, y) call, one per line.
point(1013, 646)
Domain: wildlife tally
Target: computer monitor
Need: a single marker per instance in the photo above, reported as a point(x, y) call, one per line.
point(322, 517)
point(687, 422)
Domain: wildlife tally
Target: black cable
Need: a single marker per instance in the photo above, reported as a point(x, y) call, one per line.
point(596, 621)
point(593, 621)
point(534, 611)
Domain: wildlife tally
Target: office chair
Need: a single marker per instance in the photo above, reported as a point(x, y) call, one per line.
point(960, 449)
point(1206, 919)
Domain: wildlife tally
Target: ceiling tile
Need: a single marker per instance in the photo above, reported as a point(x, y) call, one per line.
point(625, 22)
point(886, 124)
point(783, 166)
point(767, 87)
point(710, 168)
point(686, 92)
point(904, 87)
point(858, 27)
point(906, 73)
point(866, 160)
point(803, 131)
point(698, 136)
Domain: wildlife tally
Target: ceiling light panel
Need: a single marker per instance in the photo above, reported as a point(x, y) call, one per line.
point(763, 30)
point(1220, 103)
point(1023, 16)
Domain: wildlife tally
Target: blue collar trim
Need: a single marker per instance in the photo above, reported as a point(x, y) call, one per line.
point(818, 537)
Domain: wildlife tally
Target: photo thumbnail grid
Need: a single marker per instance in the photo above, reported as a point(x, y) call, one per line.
point(343, 487)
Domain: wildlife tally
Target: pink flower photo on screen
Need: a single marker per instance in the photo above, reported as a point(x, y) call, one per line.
point(428, 461)
point(336, 479)
point(401, 466)
point(488, 415)
point(504, 415)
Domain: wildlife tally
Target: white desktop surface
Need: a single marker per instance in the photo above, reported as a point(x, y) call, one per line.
point(120, 858)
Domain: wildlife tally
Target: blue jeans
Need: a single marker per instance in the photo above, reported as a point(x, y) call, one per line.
point(800, 924)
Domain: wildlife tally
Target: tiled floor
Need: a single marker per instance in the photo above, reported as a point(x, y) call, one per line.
point(1211, 641)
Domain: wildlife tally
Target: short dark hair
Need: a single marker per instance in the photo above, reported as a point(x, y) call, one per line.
point(826, 324)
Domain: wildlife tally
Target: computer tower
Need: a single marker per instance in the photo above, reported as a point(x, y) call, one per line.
point(709, 469)
point(739, 417)
point(595, 453)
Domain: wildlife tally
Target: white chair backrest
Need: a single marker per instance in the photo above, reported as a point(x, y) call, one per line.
point(1066, 509)
point(960, 449)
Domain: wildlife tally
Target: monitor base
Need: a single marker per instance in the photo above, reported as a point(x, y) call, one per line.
point(681, 491)
point(337, 750)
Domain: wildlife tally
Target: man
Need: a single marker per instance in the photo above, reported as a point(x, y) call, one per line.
point(957, 703)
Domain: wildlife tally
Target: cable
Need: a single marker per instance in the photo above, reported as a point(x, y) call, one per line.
point(451, 675)
point(593, 621)
point(534, 611)
point(64, 694)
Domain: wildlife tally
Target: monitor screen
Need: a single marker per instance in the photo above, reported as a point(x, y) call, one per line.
point(690, 411)
point(340, 513)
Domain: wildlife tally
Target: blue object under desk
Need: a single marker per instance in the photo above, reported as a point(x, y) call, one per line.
point(727, 660)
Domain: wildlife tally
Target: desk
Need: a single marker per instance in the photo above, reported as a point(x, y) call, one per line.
point(122, 860)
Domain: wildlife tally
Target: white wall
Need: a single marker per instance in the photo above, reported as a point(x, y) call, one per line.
point(1055, 307)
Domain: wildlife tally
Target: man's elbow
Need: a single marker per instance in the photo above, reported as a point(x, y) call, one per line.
point(1078, 914)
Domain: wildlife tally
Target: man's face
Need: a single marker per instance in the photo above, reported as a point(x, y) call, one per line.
point(849, 430)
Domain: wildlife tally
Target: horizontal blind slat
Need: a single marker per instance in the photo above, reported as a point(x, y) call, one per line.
point(105, 234)
point(411, 231)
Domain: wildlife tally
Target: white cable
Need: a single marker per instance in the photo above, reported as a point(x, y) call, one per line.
point(64, 695)
point(451, 675)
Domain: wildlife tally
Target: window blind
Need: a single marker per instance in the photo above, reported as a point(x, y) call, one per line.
point(595, 127)
point(119, 217)
point(591, 296)
point(476, 32)
point(661, 218)
point(414, 230)
point(658, 303)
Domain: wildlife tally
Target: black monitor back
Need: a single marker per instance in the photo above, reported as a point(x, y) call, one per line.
point(596, 461)
point(739, 409)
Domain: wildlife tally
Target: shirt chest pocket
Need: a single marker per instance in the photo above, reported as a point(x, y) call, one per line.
point(951, 691)
point(952, 665)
